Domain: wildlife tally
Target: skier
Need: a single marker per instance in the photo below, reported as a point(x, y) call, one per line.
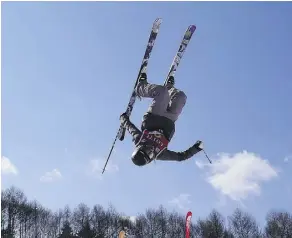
point(158, 124)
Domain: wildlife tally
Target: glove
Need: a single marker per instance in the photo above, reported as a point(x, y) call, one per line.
point(124, 118)
point(199, 145)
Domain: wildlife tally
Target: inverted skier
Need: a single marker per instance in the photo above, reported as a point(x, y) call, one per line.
point(158, 125)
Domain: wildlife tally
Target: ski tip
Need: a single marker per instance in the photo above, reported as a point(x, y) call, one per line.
point(192, 28)
point(158, 21)
point(156, 25)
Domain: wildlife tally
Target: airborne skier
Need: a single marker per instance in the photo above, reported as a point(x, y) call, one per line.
point(158, 124)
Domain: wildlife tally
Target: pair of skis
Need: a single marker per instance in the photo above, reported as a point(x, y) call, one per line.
point(175, 63)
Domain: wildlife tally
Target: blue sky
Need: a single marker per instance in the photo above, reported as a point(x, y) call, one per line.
point(67, 73)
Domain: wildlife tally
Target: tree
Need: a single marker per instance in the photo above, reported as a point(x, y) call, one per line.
point(86, 231)
point(124, 223)
point(213, 226)
point(67, 231)
point(279, 225)
point(12, 200)
point(243, 225)
point(112, 218)
point(99, 221)
point(175, 225)
point(80, 216)
point(67, 214)
point(28, 219)
point(152, 228)
point(44, 219)
point(141, 226)
point(161, 221)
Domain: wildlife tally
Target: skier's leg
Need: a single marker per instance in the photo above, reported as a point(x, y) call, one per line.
point(177, 102)
point(159, 94)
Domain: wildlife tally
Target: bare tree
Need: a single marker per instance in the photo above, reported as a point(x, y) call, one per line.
point(213, 226)
point(4, 213)
point(28, 219)
point(67, 214)
point(175, 225)
point(12, 200)
point(86, 231)
point(44, 221)
point(125, 224)
point(113, 218)
point(67, 231)
point(279, 225)
point(161, 220)
point(55, 224)
point(243, 225)
point(152, 221)
point(64, 220)
point(141, 226)
point(81, 215)
point(99, 221)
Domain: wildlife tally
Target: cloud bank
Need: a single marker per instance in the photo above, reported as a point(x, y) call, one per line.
point(181, 201)
point(7, 167)
point(238, 176)
point(51, 176)
point(287, 158)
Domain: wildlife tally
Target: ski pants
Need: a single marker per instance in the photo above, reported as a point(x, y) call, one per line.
point(166, 102)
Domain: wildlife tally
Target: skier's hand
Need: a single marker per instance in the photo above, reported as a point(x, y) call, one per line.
point(124, 118)
point(199, 145)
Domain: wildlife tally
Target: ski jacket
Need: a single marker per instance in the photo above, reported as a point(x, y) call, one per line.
point(166, 154)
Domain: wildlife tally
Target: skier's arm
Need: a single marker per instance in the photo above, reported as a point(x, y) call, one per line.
point(180, 156)
point(132, 129)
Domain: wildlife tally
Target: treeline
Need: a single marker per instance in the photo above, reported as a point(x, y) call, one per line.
point(29, 219)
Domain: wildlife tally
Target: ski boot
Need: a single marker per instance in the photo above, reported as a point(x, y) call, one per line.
point(142, 79)
point(170, 82)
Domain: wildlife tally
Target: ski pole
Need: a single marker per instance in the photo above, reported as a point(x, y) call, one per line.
point(110, 154)
point(207, 156)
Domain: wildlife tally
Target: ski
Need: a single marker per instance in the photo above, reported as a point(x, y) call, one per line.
point(143, 69)
point(182, 48)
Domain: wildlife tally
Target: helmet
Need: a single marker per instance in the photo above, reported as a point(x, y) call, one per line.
point(142, 155)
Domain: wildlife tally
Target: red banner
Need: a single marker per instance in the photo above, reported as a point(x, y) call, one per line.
point(188, 224)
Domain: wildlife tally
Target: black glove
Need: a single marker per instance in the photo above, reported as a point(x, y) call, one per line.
point(199, 145)
point(124, 118)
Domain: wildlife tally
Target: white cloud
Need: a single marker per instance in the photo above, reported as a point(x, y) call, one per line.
point(96, 167)
point(7, 167)
point(240, 175)
point(287, 158)
point(52, 176)
point(181, 201)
